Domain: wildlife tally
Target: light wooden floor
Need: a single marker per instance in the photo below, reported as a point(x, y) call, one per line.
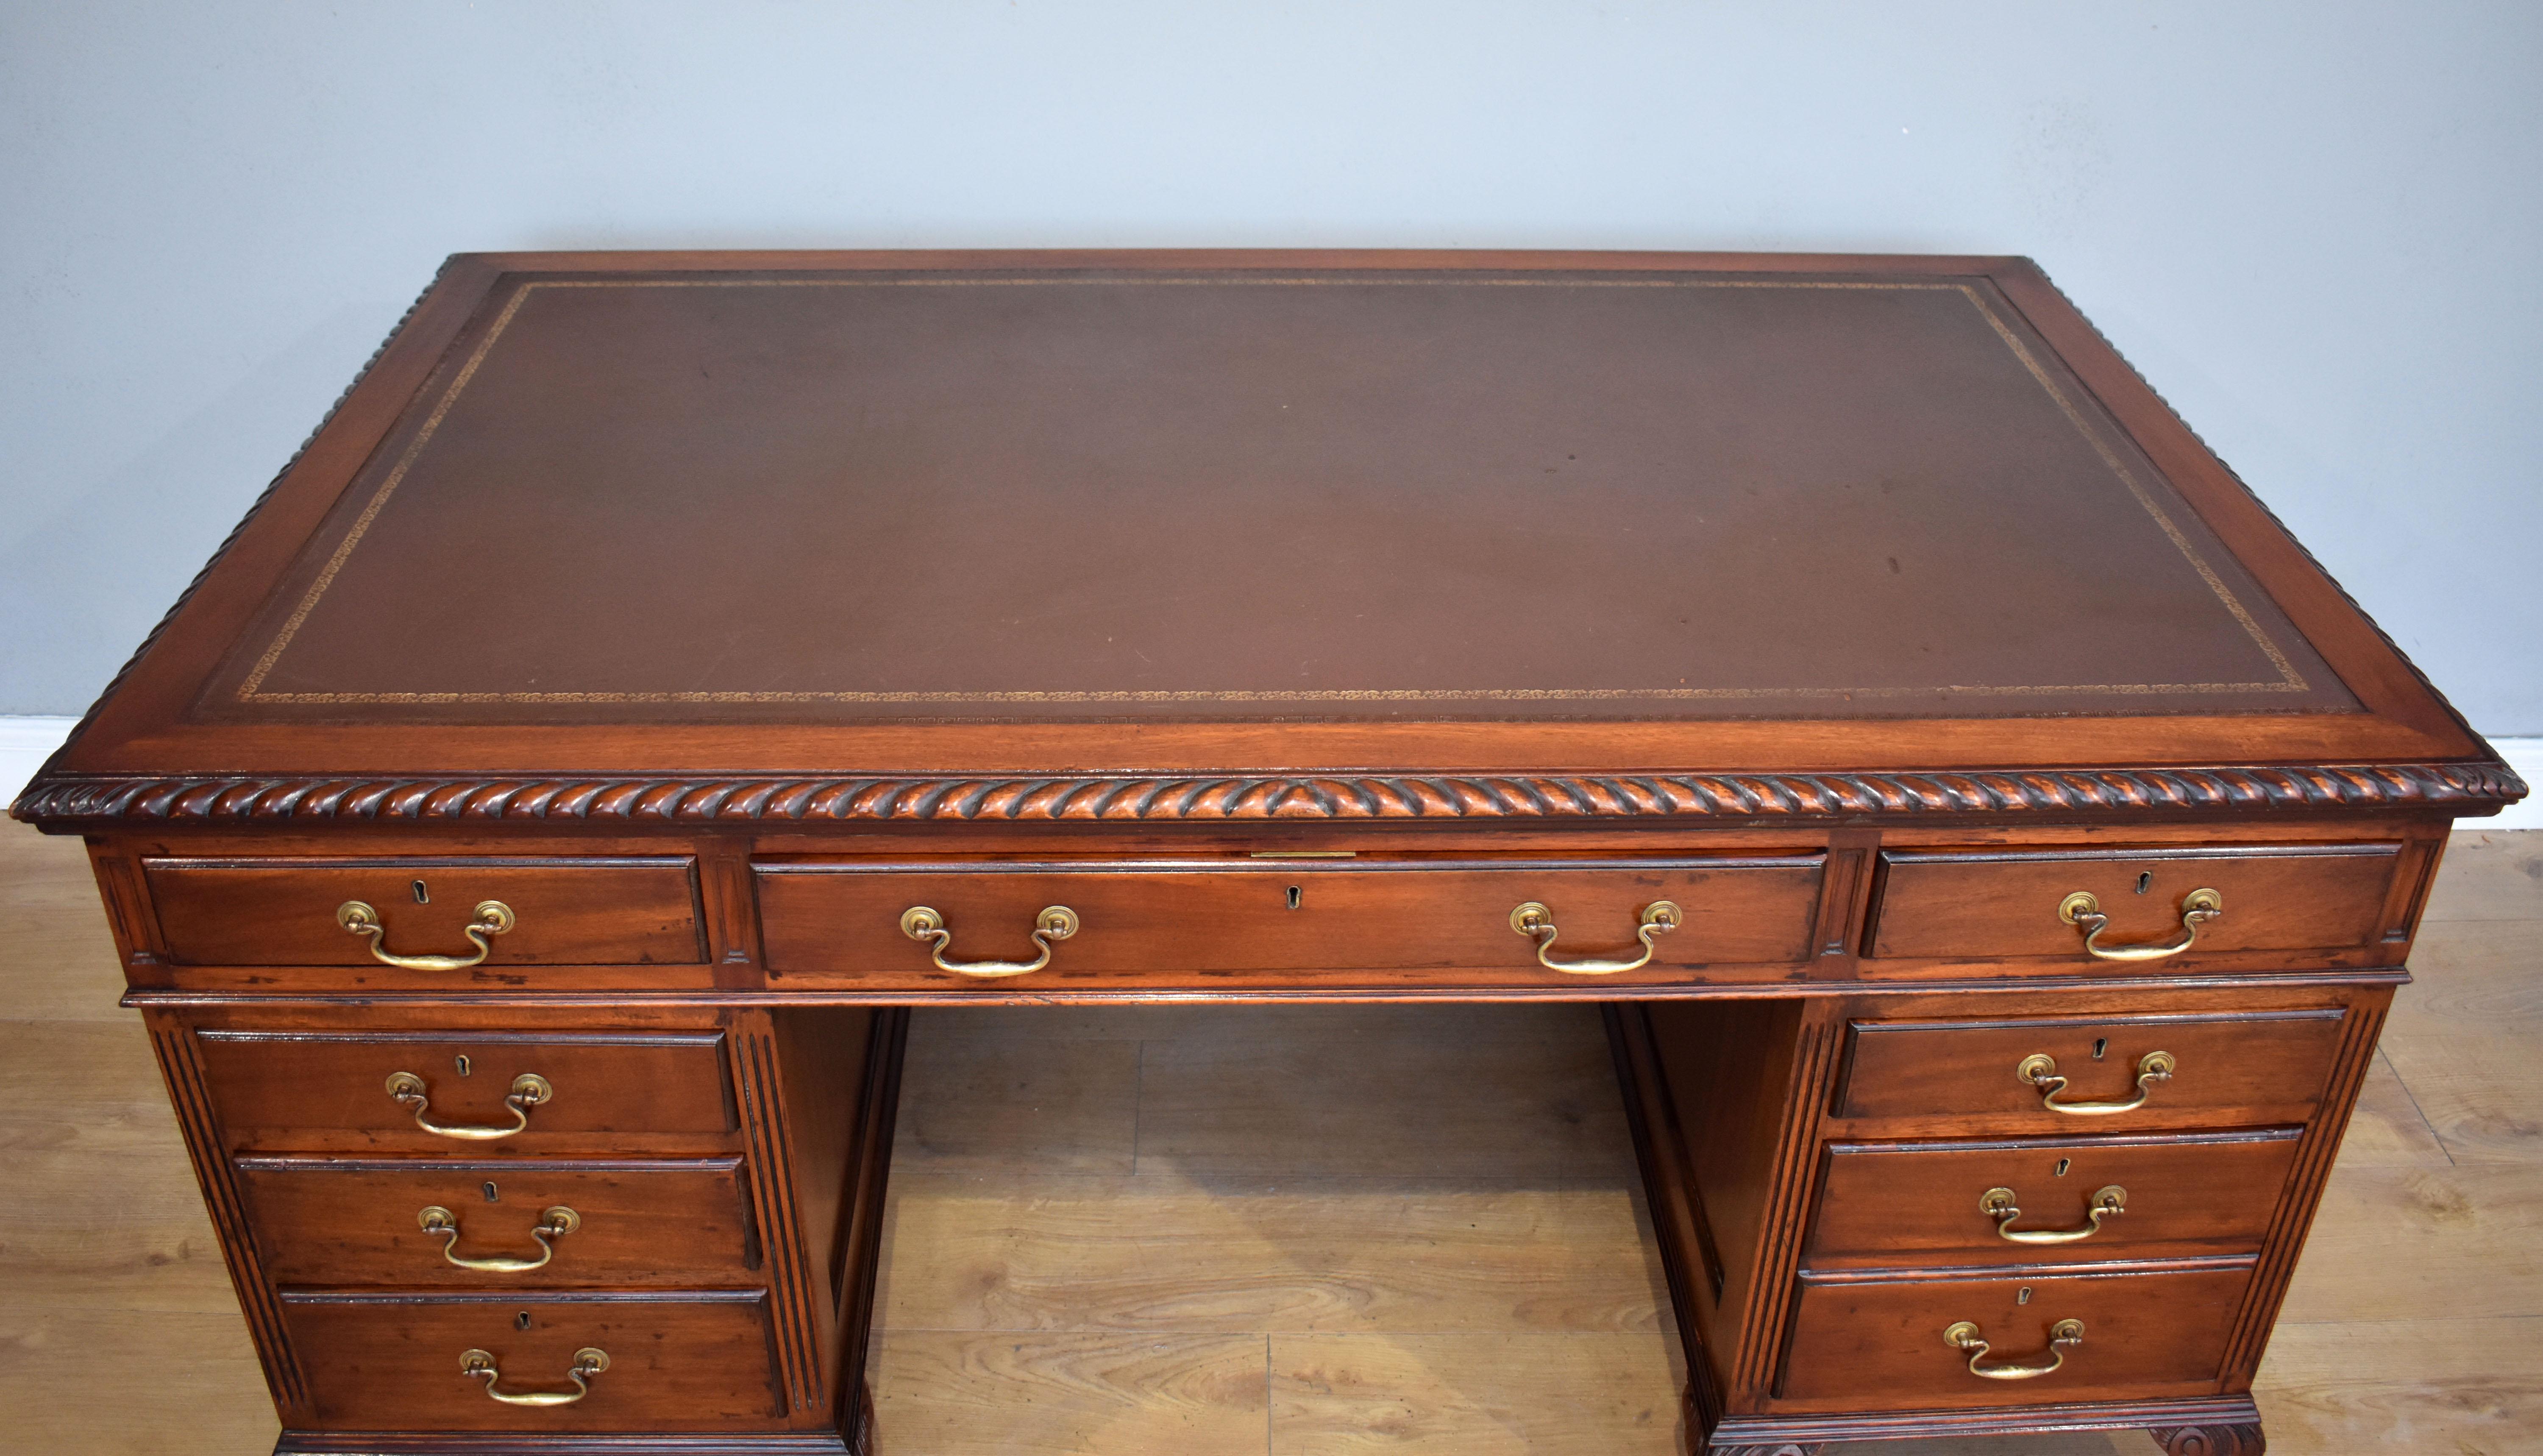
point(1309, 1232)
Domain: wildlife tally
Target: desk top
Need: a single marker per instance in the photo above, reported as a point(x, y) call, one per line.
point(1156, 535)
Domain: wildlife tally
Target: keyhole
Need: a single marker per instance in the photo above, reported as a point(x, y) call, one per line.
point(2143, 881)
point(490, 1188)
point(1293, 898)
point(2062, 1164)
point(2100, 1044)
point(2023, 1298)
point(422, 898)
point(522, 1321)
point(461, 1062)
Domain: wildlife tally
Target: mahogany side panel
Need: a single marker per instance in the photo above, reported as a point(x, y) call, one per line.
point(800, 1333)
point(2366, 1007)
point(856, 1257)
point(1745, 1080)
point(204, 1145)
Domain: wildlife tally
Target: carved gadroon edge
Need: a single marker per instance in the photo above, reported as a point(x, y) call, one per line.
point(2458, 787)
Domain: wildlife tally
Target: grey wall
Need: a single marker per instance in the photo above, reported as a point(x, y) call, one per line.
point(2315, 226)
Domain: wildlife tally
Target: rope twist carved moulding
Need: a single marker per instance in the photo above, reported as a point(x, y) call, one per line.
point(2458, 788)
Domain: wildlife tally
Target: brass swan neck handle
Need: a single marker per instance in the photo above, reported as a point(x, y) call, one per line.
point(490, 918)
point(528, 1091)
point(554, 1223)
point(2063, 1336)
point(477, 1364)
point(1537, 922)
point(1998, 1205)
point(2039, 1069)
point(926, 924)
point(2084, 912)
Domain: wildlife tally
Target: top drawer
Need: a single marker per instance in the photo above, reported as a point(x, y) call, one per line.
point(1991, 903)
point(1147, 919)
point(559, 911)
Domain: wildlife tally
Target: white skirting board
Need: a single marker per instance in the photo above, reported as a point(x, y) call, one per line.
point(25, 742)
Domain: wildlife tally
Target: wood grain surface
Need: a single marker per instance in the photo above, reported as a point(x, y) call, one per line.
point(1158, 1291)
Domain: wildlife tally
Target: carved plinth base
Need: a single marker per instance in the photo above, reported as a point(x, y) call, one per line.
point(2210, 1440)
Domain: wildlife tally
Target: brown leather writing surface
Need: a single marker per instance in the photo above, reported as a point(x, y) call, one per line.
point(1215, 493)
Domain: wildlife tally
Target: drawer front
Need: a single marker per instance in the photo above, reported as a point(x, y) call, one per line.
point(1148, 920)
point(564, 913)
point(1920, 1204)
point(695, 1362)
point(2248, 1069)
point(595, 1084)
point(2005, 903)
point(344, 1222)
point(2147, 1334)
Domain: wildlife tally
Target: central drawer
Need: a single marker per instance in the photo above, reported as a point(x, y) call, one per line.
point(1147, 919)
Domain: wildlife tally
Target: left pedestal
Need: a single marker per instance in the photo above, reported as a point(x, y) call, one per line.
point(542, 1230)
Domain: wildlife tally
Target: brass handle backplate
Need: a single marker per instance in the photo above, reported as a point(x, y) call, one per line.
point(2062, 1336)
point(587, 1363)
point(2039, 1069)
point(1537, 922)
point(489, 918)
point(528, 1091)
point(554, 1224)
point(2084, 913)
point(925, 924)
point(1998, 1205)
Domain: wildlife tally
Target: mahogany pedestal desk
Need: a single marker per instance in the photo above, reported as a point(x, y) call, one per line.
point(1994, 841)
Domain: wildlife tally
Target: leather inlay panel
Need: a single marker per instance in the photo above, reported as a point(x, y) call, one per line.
point(1187, 494)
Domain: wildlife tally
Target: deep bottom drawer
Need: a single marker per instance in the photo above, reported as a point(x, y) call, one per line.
point(1880, 1343)
point(685, 1362)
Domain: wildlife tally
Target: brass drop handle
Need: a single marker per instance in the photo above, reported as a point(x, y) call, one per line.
point(1998, 1205)
point(925, 924)
point(2084, 913)
point(1537, 922)
point(528, 1091)
point(489, 918)
point(2062, 1336)
point(2039, 1069)
point(554, 1224)
point(587, 1363)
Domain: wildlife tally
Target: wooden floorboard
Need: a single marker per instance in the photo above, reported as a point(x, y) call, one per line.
point(1304, 1231)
